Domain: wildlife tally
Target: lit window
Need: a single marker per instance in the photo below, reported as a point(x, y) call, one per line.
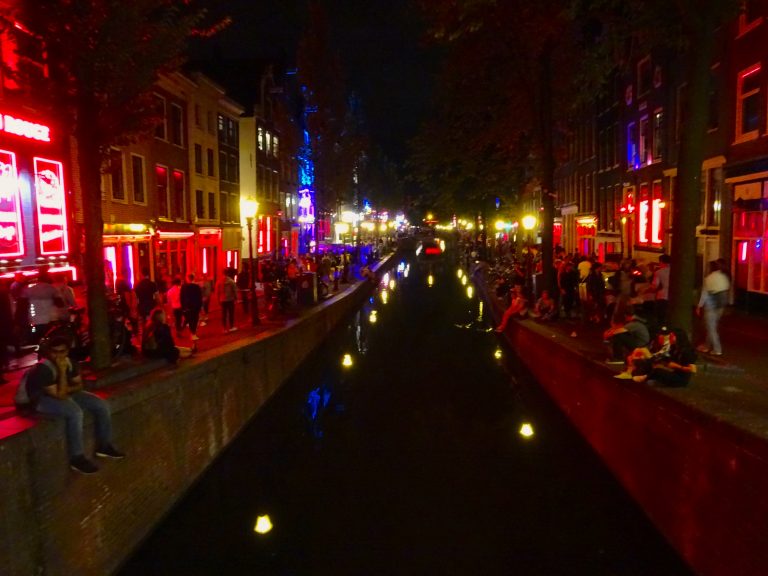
point(633, 158)
point(116, 178)
point(644, 143)
point(137, 173)
point(161, 186)
point(748, 103)
point(658, 135)
point(179, 211)
point(261, 138)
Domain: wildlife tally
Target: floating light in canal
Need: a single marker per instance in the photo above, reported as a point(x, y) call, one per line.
point(263, 524)
point(470, 292)
point(497, 354)
point(463, 280)
point(347, 361)
point(460, 273)
point(373, 317)
point(384, 296)
point(430, 280)
point(526, 430)
point(392, 284)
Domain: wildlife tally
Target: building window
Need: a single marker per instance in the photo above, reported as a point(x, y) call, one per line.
point(211, 162)
point(645, 141)
point(750, 16)
point(276, 146)
point(712, 197)
point(199, 204)
point(198, 159)
point(748, 103)
point(223, 172)
point(644, 76)
point(261, 138)
point(234, 210)
point(177, 125)
point(658, 135)
point(116, 175)
point(161, 191)
point(209, 121)
point(137, 173)
point(197, 115)
point(161, 130)
point(233, 168)
point(633, 158)
point(222, 129)
point(212, 205)
point(231, 132)
point(179, 213)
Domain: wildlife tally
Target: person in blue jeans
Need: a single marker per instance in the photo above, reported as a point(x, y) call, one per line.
point(55, 386)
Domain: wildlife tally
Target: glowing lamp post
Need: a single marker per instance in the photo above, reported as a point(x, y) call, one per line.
point(249, 208)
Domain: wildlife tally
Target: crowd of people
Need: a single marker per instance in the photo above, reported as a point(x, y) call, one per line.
point(628, 300)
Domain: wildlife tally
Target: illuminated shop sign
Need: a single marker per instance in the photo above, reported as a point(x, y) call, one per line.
point(11, 234)
point(24, 128)
point(51, 207)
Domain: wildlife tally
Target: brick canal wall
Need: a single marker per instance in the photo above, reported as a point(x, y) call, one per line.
point(172, 423)
point(701, 481)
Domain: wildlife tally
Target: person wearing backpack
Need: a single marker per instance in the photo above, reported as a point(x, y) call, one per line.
point(54, 387)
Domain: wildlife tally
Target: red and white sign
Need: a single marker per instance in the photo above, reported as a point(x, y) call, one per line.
point(11, 232)
point(51, 207)
point(24, 128)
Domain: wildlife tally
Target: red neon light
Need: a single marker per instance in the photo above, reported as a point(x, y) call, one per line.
point(433, 250)
point(656, 221)
point(205, 261)
point(642, 223)
point(750, 71)
point(110, 254)
point(52, 229)
point(11, 231)
point(19, 127)
point(743, 255)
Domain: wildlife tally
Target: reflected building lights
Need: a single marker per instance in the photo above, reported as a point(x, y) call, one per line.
point(470, 292)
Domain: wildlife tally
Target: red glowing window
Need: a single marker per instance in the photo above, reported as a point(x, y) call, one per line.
point(179, 207)
point(265, 234)
point(51, 207)
point(11, 232)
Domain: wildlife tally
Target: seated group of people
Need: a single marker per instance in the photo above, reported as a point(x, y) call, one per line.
point(545, 307)
point(668, 359)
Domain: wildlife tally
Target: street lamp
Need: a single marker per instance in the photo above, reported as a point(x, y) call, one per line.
point(529, 223)
point(249, 208)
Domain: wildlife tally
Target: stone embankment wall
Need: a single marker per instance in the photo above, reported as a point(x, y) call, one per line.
point(701, 481)
point(172, 423)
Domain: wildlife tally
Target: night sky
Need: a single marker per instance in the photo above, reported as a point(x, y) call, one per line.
point(380, 44)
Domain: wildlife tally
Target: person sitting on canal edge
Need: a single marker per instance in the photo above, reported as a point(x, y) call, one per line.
point(518, 308)
point(55, 388)
point(669, 362)
point(545, 307)
point(626, 336)
point(157, 340)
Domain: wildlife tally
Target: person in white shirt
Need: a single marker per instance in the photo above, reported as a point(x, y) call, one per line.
point(714, 298)
point(44, 303)
point(174, 301)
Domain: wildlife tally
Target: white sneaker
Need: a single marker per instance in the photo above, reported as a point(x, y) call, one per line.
point(195, 337)
point(233, 329)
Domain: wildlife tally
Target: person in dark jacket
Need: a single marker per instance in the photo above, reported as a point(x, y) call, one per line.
point(191, 303)
point(157, 340)
point(595, 309)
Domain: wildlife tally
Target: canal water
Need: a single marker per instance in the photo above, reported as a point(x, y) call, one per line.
point(410, 443)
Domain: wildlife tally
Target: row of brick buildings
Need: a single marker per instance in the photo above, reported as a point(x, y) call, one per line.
point(617, 184)
point(170, 203)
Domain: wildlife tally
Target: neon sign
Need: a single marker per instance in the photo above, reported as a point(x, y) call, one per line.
point(51, 207)
point(18, 127)
point(11, 234)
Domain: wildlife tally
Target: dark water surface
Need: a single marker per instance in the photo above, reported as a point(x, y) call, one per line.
point(411, 461)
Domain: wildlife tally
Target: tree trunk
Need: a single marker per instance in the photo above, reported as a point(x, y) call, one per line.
point(547, 214)
point(687, 200)
point(90, 170)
